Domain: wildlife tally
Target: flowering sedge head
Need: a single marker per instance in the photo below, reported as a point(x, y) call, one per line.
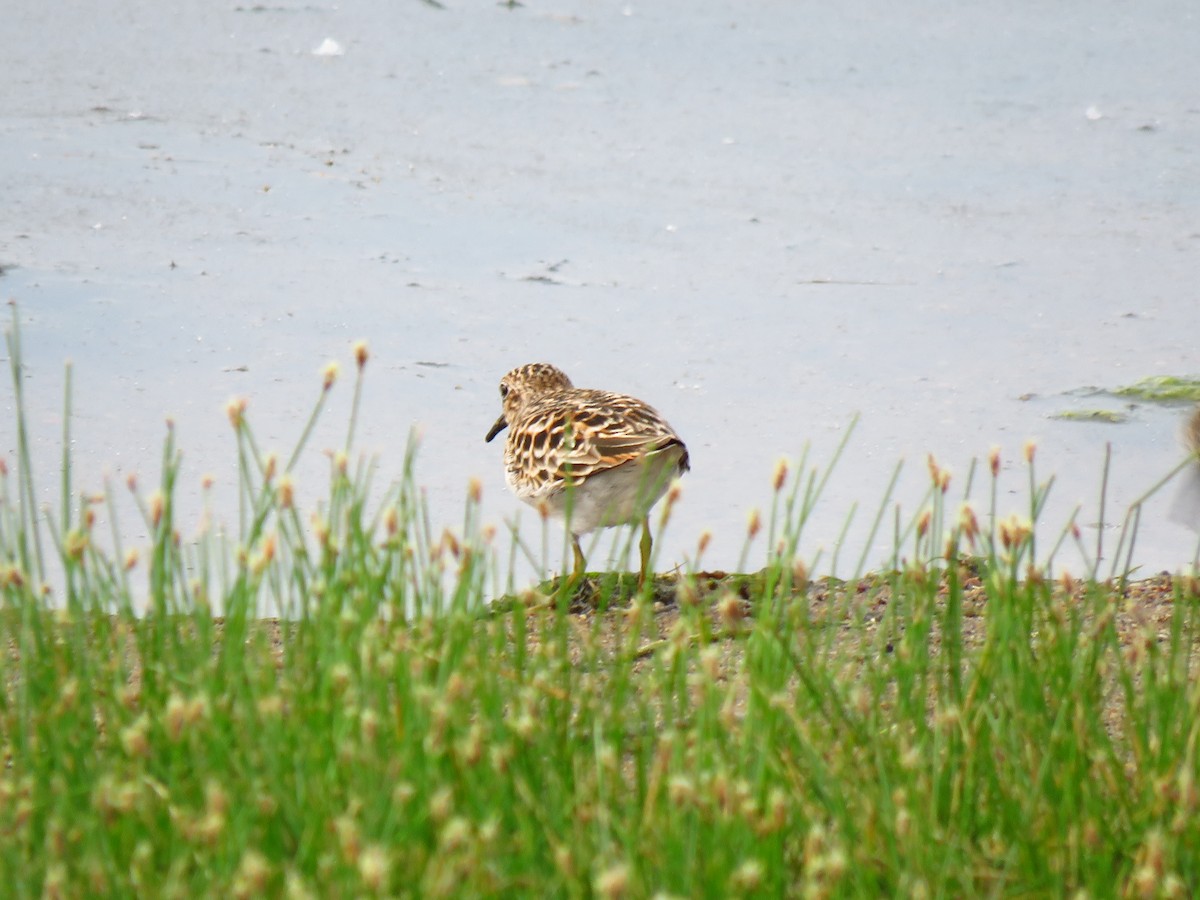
point(753, 524)
point(781, 474)
point(939, 475)
point(329, 374)
point(235, 409)
point(1014, 532)
point(287, 491)
point(157, 504)
point(923, 523)
point(968, 524)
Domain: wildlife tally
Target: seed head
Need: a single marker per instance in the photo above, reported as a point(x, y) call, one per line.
point(776, 814)
point(270, 706)
point(456, 834)
point(674, 492)
point(236, 410)
point(54, 886)
point(968, 523)
point(11, 576)
point(732, 609)
point(329, 374)
point(799, 575)
point(923, 522)
point(781, 474)
point(613, 882)
point(129, 696)
point(174, 716)
point(339, 677)
point(361, 354)
point(441, 804)
point(994, 460)
point(69, 693)
point(681, 790)
point(287, 491)
point(252, 875)
point(135, 739)
point(296, 889)
point(374, 865)
point(75, 544)
point(1014, 531)
point(156, 508)
point(686, 593)
point(747, 878)
point(814, 843)
point(1154, 851)
point(215, 798)
point(266, 553)
point(474, 490)
point(754, 523)
point(860, 699)
point(349, 836)
point(1030, 450)
point(1145, 882)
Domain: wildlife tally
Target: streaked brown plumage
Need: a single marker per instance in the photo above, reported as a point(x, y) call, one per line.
point(595, 458)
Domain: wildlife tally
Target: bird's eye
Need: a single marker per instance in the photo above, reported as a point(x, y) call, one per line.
point(503, 391)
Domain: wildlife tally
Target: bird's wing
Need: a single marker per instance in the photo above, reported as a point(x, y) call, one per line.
point(567, 438)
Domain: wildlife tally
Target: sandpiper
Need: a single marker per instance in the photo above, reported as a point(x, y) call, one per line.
point(593, 458)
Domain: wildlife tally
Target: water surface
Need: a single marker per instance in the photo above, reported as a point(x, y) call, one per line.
point(761, 220)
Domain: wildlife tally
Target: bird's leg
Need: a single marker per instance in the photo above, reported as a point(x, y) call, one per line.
point(580, 562)
point(645, 547)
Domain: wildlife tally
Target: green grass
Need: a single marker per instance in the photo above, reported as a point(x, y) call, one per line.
point(957, 726)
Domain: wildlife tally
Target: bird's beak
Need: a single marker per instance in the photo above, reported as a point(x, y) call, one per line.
point(500, 425)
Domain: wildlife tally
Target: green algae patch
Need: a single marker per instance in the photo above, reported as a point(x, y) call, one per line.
point(1092, 415)
point(1163, 389)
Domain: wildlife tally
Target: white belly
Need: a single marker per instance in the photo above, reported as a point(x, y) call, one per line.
point(616, 496)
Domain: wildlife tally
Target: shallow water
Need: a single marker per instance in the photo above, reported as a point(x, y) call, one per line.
point(762, 221)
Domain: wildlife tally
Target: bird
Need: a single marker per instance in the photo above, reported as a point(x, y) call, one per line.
point(1185, 508)
point(594, 459)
